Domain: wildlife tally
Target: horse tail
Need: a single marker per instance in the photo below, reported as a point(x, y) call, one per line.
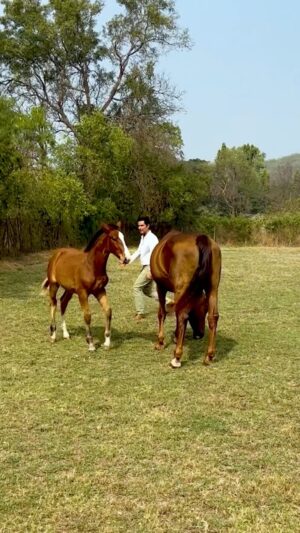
point(203, 273)
point(201, 280)
point(45, 287)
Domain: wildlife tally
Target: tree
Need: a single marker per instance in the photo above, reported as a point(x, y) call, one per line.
point(188, 192)
point(240, 182)
point(52, 55)
point(284, 188)
point(38, 204)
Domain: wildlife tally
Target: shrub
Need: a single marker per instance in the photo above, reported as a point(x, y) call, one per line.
point(273, 230)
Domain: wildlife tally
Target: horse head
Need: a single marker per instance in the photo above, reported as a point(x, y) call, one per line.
point(114, 243)
point(197, 316)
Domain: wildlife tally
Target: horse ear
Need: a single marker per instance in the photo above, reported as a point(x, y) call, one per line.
point(105, 228)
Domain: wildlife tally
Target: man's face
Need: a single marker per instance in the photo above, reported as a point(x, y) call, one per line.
point(142, 227)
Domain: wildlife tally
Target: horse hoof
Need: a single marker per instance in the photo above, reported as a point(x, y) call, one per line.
point(159, 346)
point(52, 340)
point(105, 346)
point(175, 363)
point(92, 348)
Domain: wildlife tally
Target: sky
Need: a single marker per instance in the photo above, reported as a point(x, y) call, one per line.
point(241, 79)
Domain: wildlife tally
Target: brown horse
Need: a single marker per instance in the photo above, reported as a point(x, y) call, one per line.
point(190, 266)
point(83, 272)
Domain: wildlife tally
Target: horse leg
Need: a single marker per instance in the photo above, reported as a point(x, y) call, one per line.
point(53, 288)
point(179, 291)
point(103, 301)
point(83, 299)
point(181, 322)
point(161, 314)
point(212, 319)
point(64, 300)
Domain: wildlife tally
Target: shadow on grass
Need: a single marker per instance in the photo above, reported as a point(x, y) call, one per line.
point(193, 351)
point(196, 348)
point(118, 338)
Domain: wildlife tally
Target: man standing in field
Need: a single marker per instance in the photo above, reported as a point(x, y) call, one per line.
point(144, 285)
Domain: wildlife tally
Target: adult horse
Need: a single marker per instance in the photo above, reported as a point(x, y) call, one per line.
point(83, 272)
point(190, 266)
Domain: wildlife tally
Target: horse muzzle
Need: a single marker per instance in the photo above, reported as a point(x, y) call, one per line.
point(198, 335)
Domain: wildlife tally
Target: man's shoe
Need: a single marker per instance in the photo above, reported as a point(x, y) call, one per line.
point(139, 317)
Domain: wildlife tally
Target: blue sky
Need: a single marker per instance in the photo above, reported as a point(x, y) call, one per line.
point(241, 80)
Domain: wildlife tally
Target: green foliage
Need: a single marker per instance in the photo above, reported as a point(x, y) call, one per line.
point(54, 51)
point(240, 182)
point(280, 229)
point(284, 194)
point(233, 230)
point(62, 198)
point(284, 228)
point(102, 157)
point(120, 155)
point(36, 137)
point(38, 205)
point(9, 156)
point(187, 190)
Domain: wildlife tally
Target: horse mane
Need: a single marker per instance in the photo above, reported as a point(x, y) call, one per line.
point(98, 233)
point(93, 240)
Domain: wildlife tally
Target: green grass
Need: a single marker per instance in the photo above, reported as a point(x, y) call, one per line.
point(116, 441)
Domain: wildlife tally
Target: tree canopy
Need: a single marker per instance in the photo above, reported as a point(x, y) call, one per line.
point(240, 180)
point(53, 55)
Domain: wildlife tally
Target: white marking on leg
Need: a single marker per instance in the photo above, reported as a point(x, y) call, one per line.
point(66, 334)
point(106, 343)
point(175, 363)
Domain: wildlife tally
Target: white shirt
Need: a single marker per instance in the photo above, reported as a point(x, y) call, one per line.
point(147, 244)
point(122, 239)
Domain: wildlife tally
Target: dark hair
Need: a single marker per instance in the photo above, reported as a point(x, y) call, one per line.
point(145, 219)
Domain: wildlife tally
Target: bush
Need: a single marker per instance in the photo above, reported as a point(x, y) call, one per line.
point(230, 230)
point(282, 229)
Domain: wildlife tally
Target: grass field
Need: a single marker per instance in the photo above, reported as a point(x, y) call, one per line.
point(116, 441)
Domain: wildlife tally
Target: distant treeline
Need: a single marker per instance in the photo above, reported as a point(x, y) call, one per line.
point(58, 193)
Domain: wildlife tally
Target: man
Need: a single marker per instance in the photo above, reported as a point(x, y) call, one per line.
point(144, 285)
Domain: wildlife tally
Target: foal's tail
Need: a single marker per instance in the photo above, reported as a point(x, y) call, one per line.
point(45, 287)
